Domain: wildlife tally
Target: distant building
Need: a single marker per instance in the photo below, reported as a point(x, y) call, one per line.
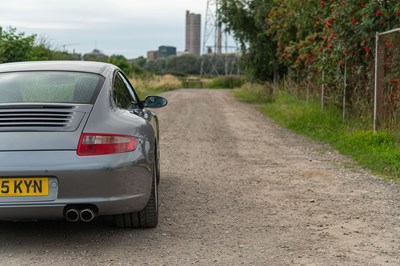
point(193, 33)
point(165, 51)
point(152, 55)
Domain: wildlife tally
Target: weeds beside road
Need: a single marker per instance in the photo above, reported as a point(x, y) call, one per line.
point(377, 151)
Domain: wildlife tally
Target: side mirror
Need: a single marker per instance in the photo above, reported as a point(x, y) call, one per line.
point(155, 102)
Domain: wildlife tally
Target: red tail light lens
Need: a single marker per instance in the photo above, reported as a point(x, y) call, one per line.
point(100, 144)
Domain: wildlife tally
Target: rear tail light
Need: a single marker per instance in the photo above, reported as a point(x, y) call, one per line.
point(100, 144)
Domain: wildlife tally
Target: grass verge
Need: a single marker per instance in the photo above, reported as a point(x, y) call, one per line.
point(224, 82)
point(153, 85)
point(379, 152)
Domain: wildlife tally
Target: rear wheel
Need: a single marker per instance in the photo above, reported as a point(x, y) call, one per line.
point(157, 153)
point(146, 218)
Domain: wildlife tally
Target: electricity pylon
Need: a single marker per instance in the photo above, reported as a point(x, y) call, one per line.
point(215, 43)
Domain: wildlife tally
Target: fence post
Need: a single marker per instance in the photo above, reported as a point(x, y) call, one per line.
point(379, 77)
point(344, 88)
point(323, 80)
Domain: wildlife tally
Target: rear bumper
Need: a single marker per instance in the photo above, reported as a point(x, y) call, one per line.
point(56, 210)
point(114, 184)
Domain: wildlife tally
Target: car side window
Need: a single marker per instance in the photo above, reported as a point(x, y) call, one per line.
point(123, 94)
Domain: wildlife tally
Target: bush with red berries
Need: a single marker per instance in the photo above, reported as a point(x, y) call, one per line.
point(323, 36)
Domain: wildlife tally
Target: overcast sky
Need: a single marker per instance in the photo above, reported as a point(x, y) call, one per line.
point(127, 27)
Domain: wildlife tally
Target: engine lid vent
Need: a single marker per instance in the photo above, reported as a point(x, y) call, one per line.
point(41, 117)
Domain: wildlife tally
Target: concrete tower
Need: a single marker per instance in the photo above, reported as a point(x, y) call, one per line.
point(193, 33)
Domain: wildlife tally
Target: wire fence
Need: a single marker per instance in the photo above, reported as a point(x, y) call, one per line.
point(387, 80)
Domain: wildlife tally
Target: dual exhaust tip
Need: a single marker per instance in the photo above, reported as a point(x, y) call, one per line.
point(86, 215)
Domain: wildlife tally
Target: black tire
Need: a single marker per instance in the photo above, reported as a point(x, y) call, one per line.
point(146, 218)
point(158, 173)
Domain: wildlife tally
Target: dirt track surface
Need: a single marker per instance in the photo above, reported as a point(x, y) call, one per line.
point(236, 190)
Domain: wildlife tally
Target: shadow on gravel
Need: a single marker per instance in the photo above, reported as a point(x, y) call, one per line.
point(182, 210)
point(61, 237)
point(15, 232)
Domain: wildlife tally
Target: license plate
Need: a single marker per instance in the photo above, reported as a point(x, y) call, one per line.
point(24, 187)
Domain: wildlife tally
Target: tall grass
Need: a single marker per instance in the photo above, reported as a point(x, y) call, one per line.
point(154, 84)
point(306, 117)
point(151, 85)
point(379, 152)
point(255, 93)
point(224, 82)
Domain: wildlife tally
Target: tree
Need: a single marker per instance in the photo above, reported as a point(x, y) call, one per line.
point(121, 62)
point(183, 65)
point(312, 37)
point(95, 55)
point(156, 66)
point(15, 46)
point(140, 61)
point(245, 20)
point(42, 51)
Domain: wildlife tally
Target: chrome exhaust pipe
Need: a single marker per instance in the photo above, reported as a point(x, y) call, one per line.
point(87, 215)
point(72, 215)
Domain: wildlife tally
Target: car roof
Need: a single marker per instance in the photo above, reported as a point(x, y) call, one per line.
point(79, 66)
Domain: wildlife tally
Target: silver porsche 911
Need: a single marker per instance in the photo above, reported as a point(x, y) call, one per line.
point(76, 142)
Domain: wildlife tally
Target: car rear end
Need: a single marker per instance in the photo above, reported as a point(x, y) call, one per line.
point(50, 166)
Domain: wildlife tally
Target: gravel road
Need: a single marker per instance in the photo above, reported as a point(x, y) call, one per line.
point(236, 190)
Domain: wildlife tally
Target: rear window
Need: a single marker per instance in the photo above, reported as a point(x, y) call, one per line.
point(49, 87)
